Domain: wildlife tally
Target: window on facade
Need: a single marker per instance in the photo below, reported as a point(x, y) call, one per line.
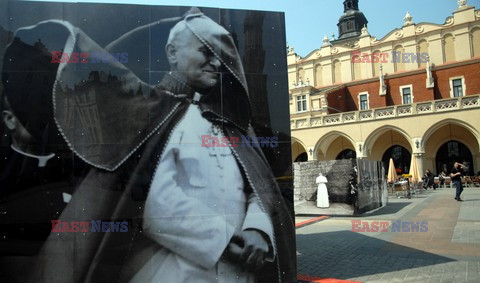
point(349, 25)
point(476, 42)
point(300, 75)
point(318, 75)
point(397, 59)
point(357, 68)
point(407, 95)
point(301, 103)
point(448, 48)
point(363, 101)
point(422, 49)
point(457, 87)
point(337, 72)
point(376, 64)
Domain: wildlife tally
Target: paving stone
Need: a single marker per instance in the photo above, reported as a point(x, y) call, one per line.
point(449, 252)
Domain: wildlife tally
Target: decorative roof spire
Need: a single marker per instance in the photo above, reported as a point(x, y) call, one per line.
point(351, 22)
point(407, 20)
point(326, 41)
point(462, 3)
point(290, 49)
point(365, 30)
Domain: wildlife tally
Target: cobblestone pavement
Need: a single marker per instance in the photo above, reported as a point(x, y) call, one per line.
point(449, 251)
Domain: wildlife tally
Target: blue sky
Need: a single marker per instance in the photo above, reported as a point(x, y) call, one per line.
point(308, 21)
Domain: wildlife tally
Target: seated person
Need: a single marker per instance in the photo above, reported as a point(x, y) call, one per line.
point(441, 177)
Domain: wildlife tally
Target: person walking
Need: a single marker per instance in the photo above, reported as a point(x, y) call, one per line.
point(456, 176)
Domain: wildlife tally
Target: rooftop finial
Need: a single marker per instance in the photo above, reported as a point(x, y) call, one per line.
point(326, 41)
point(365, 30)
point(408, 19)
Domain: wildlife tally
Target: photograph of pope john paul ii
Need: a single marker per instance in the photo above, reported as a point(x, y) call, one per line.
point(196, 213)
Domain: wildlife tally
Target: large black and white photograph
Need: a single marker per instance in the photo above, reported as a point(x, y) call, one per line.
point(144, 144)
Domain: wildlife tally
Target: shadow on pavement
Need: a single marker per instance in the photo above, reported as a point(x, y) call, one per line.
point(391, 208)
point(346, 254)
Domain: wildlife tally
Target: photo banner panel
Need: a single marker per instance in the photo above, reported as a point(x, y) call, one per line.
point(145, 144)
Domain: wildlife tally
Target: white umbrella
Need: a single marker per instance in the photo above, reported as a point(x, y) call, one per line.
point(392, 174)
point(415, 174)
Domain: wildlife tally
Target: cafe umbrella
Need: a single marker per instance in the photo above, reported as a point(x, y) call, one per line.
point(414, 173)
point(392, 174)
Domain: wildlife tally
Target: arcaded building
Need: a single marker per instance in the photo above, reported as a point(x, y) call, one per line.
point(416, 91)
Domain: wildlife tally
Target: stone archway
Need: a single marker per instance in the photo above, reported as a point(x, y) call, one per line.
point(299, 153)
point(302, 157)
point(401, 159)
point(444, 132)
point(332, 144)
point(347, 154)
point(451, 152)
point(337, 146)
point(379, 141)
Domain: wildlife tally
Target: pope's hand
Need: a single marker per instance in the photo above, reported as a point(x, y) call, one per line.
point(248, 248)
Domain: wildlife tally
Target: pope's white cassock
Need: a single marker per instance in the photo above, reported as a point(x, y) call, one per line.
point(195, 204)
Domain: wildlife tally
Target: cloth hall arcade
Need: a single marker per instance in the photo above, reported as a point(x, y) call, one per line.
point(416, 91)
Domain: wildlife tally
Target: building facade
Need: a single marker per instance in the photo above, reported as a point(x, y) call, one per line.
point(416, 92)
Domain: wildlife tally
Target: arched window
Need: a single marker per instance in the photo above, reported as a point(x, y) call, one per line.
point(422, 49)
point(476, 42)
point(453, 151)
point(401, 158)
point(356, 68)
point(397, 59)
point(300, 75)
point(347, 154)
point(337, 71)
point(376, 64)
point(318, 75)
point(349, 25)
point(448, 48)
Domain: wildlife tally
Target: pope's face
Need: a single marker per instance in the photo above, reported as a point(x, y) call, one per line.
point(196, 64)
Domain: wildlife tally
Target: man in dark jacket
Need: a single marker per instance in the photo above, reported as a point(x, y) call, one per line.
point(456, 175)
point(428, 180)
